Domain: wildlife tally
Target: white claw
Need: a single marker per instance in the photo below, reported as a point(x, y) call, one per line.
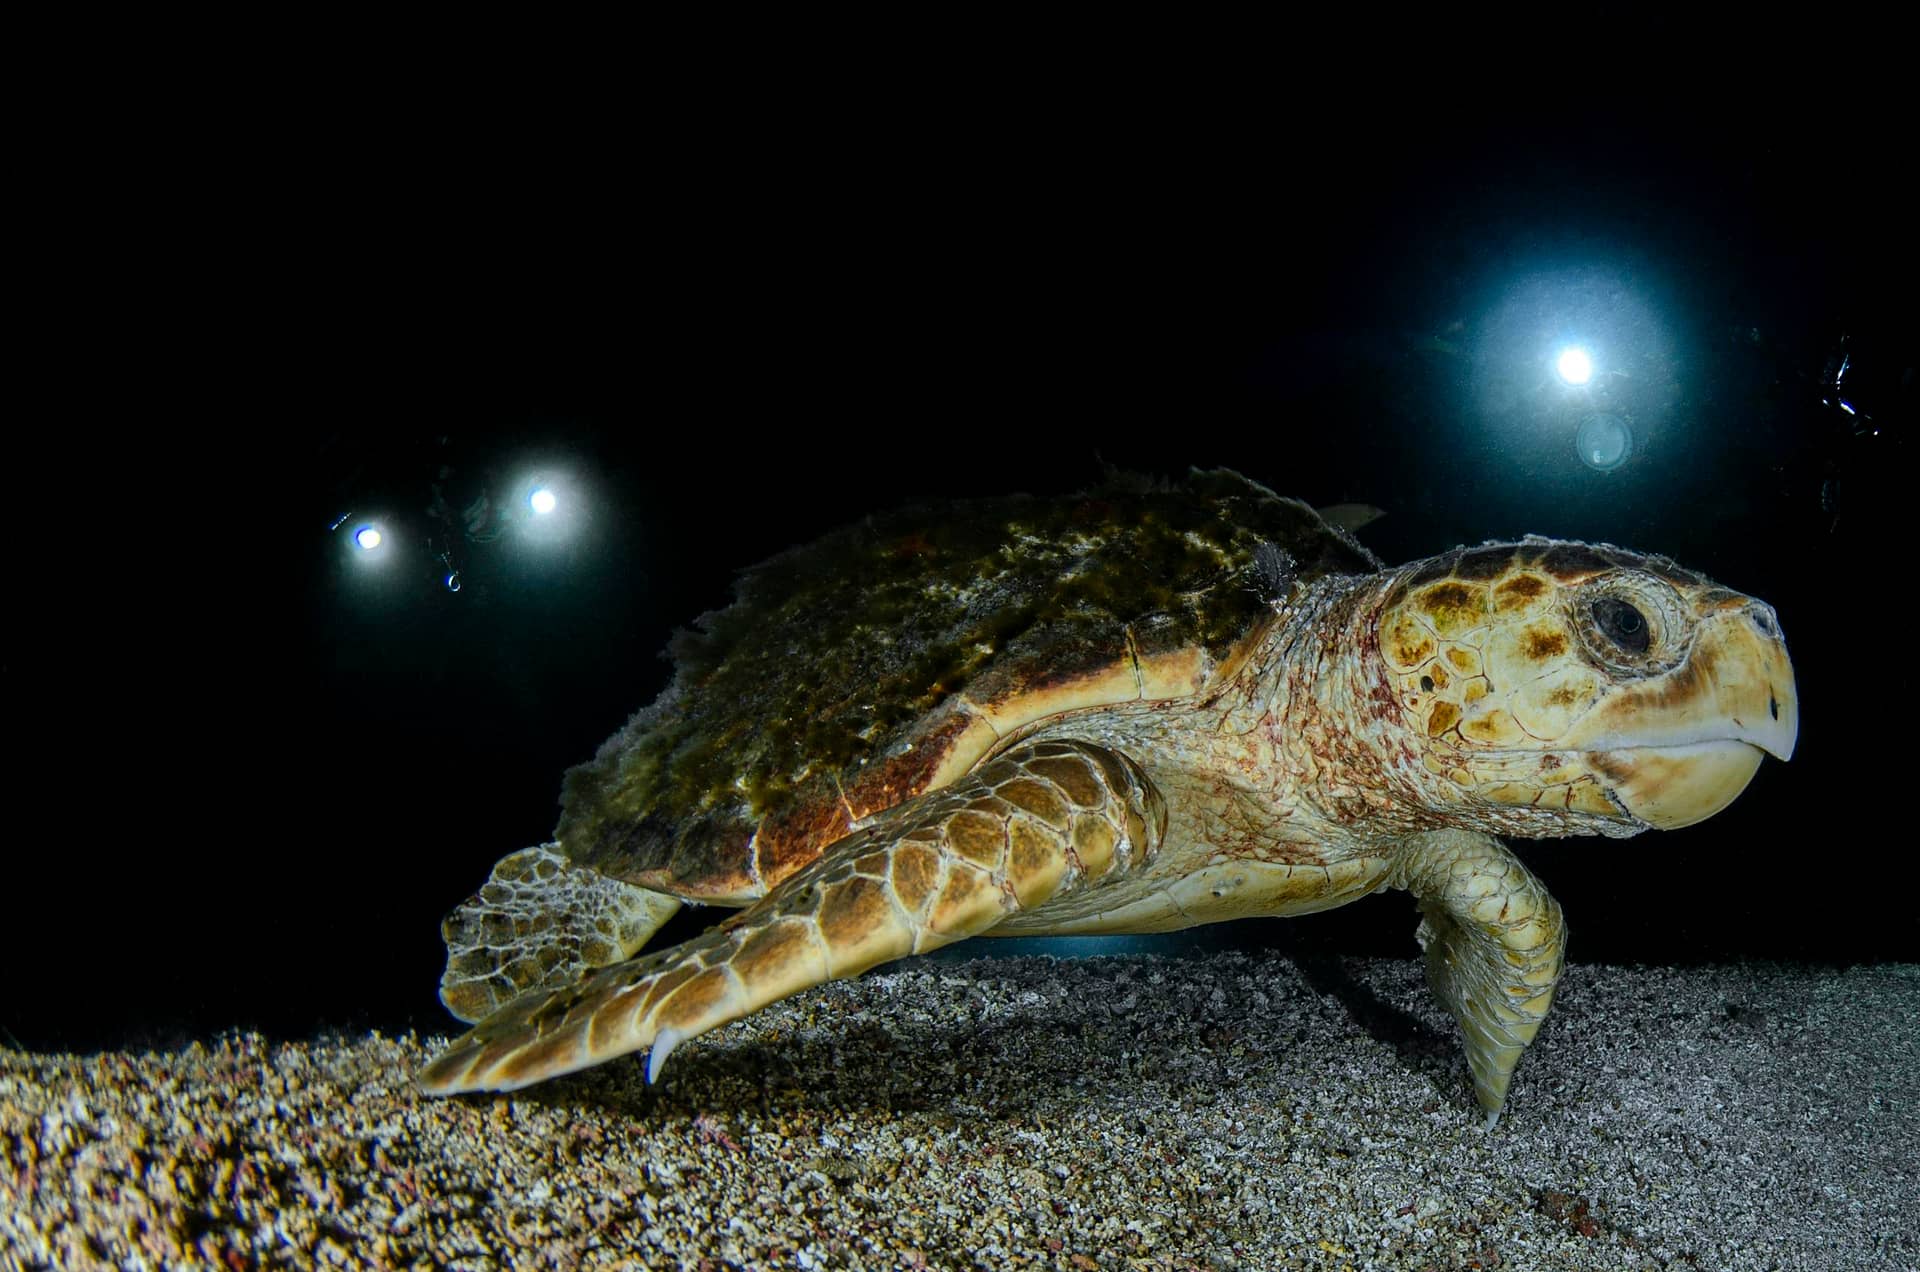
point(663, 1044)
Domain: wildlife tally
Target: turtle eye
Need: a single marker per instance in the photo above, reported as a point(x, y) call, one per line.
point(1624, 625)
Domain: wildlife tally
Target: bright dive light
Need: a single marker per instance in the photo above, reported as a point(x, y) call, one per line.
point(367, 537)
point(549, 505)
point(1575, 366)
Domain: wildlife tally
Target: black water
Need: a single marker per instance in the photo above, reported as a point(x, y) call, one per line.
point(247, 784)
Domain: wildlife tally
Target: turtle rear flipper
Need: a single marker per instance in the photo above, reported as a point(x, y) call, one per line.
point(1044, 819)
point(541, 922)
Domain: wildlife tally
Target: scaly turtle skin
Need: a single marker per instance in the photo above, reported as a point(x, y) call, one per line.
point(1133, 710)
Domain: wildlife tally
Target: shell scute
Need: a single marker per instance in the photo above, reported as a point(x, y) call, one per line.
point(885, 659)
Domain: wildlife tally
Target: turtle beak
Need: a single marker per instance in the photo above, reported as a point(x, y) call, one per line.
point(1679, 747)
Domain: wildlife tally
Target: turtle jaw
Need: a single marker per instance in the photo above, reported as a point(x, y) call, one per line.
point(1667, 787)
point(1681, 747)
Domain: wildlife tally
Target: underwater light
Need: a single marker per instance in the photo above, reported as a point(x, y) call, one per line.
point(1604, 442)
point(1574, 365)
point(550, 506)
point(368, 543)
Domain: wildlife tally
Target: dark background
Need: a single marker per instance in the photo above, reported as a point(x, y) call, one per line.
point(249, 778)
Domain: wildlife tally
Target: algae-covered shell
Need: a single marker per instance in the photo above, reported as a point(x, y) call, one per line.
point(886, 658)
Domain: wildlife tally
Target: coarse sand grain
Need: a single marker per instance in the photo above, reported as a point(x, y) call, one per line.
point(1222, 1111)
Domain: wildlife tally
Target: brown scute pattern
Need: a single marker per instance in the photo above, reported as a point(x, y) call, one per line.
point(916, 872)
point(977, 836)
point(1038, 798)
point(664, 988)
point(1070, 777)
point(780, 944)
point(1542, 642)
point(851, 909)
point(1093, 843)
point(1518, 591)
point(1565, 562)
point(1453, 607)
point(1484, 564)
point(1570, 561)
point(968, 901)
point(836, 671)
point(1036, 860)
point(942, 866)
point(705, 993)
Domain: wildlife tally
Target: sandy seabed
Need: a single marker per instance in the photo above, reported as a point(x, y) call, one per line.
point(1221, 1111)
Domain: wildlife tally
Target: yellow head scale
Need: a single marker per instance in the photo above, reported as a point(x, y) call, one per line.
point(1586, 679)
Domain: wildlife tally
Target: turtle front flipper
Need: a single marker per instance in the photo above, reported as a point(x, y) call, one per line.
point(1039, 821)
point(1495, 943)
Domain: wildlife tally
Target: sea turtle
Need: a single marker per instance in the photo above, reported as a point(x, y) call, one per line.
point(1136, 709)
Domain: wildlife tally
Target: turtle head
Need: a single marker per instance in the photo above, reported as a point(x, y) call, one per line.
point(1579, 688)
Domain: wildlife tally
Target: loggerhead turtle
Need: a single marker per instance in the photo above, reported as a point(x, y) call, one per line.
point(1133, 710)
